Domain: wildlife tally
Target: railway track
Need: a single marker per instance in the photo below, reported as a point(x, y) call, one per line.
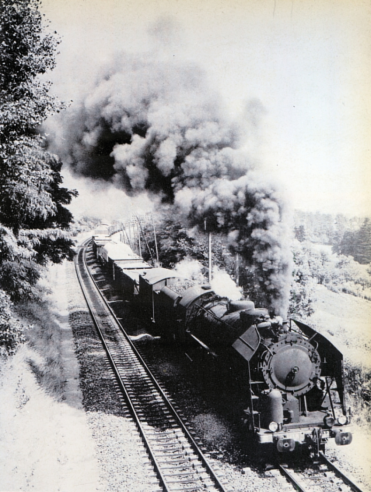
point(325, 476)
point(177, 459)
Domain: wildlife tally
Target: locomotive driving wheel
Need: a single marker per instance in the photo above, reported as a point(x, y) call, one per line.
point(291, 365)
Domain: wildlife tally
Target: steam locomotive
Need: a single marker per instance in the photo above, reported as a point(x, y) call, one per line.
point(294, 376)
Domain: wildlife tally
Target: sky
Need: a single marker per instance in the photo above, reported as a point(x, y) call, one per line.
point(307, 62)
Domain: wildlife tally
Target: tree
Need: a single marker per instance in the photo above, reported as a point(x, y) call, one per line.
point(363, 244)
point(302, 287)
point(175, 242)
point(347, 245)
point(357, 243)
point(300, 233)
point(33, 219)
point(11, 331)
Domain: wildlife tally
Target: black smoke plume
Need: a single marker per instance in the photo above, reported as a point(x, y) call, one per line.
point(158, 128)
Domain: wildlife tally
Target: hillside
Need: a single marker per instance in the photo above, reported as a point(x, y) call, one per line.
point(346, 319)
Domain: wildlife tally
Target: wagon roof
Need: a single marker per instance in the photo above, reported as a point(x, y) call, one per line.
point(120, 251)
point(127, 264)
point(157, 274)
point(101, 239)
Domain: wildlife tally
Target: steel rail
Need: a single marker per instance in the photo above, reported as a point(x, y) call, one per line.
point(337, 470)
point(299, 487)
point(196, 450)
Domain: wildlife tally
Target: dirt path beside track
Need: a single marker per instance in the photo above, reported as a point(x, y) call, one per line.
point(46, 445)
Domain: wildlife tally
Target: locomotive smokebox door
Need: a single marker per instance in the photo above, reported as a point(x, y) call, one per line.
point(291, 365)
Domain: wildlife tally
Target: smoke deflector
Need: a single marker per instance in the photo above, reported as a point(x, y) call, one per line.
point(247, 344)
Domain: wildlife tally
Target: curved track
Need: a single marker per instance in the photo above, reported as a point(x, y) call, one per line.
point(177, 460)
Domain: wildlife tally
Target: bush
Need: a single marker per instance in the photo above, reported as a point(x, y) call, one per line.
point(303, 284)
point(338, 273)
point(358, 384)
point(11, 330)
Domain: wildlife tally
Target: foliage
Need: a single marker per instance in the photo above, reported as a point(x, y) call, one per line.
point(358, 384)
point(85, 223)
point(302, 288)
point(323, 228)
point(347, 236)
point(338, 273)
point(11, 331)
point(300, 233)
point(175, 242)
point(33, 217)
point(363, 243)
point(357, 243)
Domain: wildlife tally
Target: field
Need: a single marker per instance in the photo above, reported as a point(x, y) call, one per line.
point(346, 320)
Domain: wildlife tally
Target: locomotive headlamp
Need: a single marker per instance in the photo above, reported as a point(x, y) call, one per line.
point(273, 426)
point(342, 420)
point(329, 421)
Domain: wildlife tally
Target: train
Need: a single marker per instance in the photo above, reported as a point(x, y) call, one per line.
point(293, 375)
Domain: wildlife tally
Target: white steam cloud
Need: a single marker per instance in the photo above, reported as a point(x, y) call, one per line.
point(192, 270)
point(221, 283)
point(103, 200)
point(224, 286)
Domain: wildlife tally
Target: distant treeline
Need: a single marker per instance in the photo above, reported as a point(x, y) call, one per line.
point(347, 236)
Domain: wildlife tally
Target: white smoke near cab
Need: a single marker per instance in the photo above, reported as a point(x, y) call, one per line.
point(224, 285)
point(191, 270)
point(158, 127)
point(196, 274)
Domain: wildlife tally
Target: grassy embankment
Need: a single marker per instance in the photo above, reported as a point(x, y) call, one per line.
point(346, 321)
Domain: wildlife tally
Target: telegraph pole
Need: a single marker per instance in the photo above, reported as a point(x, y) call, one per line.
point(139, 243)
point(154, 233)
point(210, 253)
